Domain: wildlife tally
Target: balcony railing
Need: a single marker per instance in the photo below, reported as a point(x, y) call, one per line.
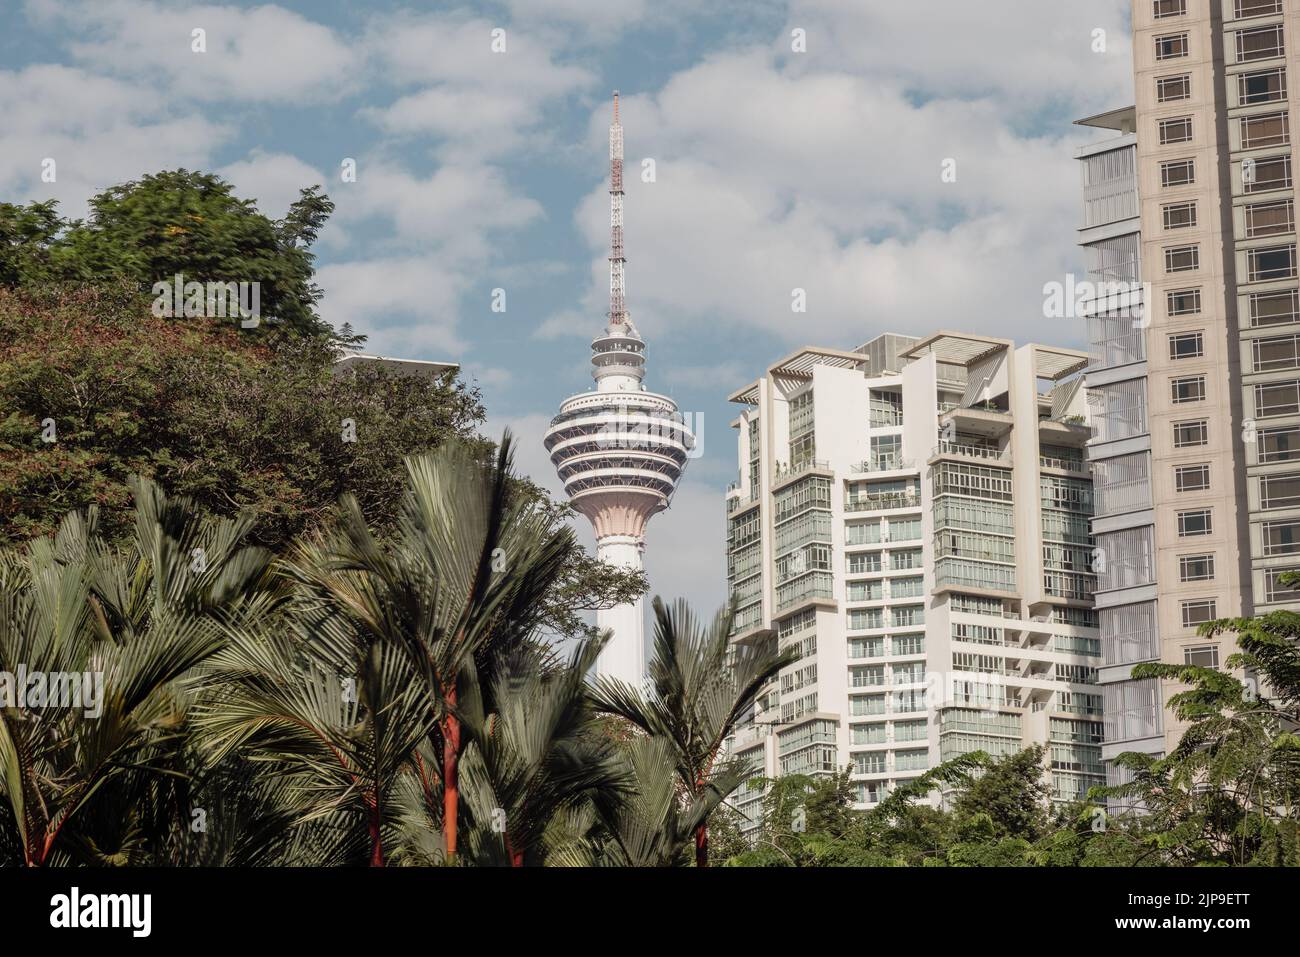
point(972, 451)
point(1065, 465)
point(877, 501)
point(783, 471)
point(884, 463)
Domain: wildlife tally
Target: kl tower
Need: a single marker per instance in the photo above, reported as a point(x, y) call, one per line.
point(618, 449)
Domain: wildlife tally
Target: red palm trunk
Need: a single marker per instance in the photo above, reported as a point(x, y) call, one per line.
point(376, 842)
point(450, 777)
point(702, 846)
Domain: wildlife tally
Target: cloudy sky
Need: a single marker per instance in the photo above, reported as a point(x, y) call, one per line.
point(775, 169)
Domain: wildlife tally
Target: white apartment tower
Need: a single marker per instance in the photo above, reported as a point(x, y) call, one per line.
point(913, 516)
point(618, 449)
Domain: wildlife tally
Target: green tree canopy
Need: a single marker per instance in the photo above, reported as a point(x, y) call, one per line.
point(173, 222)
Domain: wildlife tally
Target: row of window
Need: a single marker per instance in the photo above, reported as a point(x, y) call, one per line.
point(1257, 43)
point(1264, 264)
point(1275, 308)
point(1261, 219)
point(1242, 9)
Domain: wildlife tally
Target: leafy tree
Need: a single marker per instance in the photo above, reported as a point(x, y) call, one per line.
point(174, 222)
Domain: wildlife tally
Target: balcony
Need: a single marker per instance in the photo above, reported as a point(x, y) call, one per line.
point(783, 473)
point(986, 419)
point(884, 463)
point(1068, 430)
point(966, 450)
point(882, 501)
point(1076, 465)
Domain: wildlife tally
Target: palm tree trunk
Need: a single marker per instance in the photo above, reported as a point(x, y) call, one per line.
point(376, 842)
point(702, 846)
point(450, 777)
point(516, 856)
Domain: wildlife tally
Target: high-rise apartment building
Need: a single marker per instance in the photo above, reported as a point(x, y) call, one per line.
point(1218, 240)
point(913, 517)
point(1119, 453)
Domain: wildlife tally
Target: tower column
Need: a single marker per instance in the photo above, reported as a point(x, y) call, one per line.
point(624, 656)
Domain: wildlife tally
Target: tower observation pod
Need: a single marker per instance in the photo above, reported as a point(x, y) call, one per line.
point(618, 449)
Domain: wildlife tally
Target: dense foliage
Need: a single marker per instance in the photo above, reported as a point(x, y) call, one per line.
point(364, 698)
point(169, 223)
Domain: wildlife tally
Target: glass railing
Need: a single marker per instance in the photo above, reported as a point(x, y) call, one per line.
point(882, 500)
point(972, 451)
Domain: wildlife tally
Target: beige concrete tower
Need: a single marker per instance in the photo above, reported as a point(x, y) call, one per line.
point(1223, 345)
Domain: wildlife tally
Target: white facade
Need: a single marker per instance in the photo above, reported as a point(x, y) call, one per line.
point(912, 516)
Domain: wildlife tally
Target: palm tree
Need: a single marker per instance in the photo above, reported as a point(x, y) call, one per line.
point(418, 620)
point(701, 684)
point(537, 754)
point(80, 783)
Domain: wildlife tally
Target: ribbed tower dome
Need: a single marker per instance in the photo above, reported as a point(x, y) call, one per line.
point(619, 450)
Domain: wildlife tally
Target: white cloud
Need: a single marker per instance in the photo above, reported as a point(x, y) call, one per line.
point(476, 102)
point(685, 554)
point(407, 306)
point(262, 54)
point(100, 132)
point(1025, 51)
point(771, 178)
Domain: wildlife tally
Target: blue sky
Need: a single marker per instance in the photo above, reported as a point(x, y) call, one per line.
point(477, 170)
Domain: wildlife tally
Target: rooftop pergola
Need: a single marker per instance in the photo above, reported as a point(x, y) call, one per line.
point(1056, 363)
point(796, 369)
point(958, 348)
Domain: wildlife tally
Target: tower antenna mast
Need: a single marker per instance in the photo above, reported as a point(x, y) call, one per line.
point(617, 294)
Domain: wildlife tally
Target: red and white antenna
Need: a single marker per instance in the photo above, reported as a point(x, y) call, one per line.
point(617, 301)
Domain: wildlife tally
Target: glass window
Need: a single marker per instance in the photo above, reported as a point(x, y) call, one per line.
point(1196, 521)
point(1175, 130)
point(1279, 444)
point(1187, 388)
point(1258, 44)
point(1186, 345)
point(1266, 86)
point(1184, 302)
point(1182, 258)
point(1198, 612)
point(1274, 262)
point(1195, 568)
point(1191, 478)
point(1279, 491)
point(1259, 175)
point(1270, 219)
point(1171, 47)
point(1192, 433)
point(1280, 538)
point(1171, 88)
point(1256, 8)
point(1181, 172)
point(1274, 308)
point(1202, 656)
point(1277, 398)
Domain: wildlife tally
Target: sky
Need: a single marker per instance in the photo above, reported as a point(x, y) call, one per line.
point(796, 144)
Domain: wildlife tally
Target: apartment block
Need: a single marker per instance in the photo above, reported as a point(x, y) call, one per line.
point(1217, 225)
point(912, 516)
